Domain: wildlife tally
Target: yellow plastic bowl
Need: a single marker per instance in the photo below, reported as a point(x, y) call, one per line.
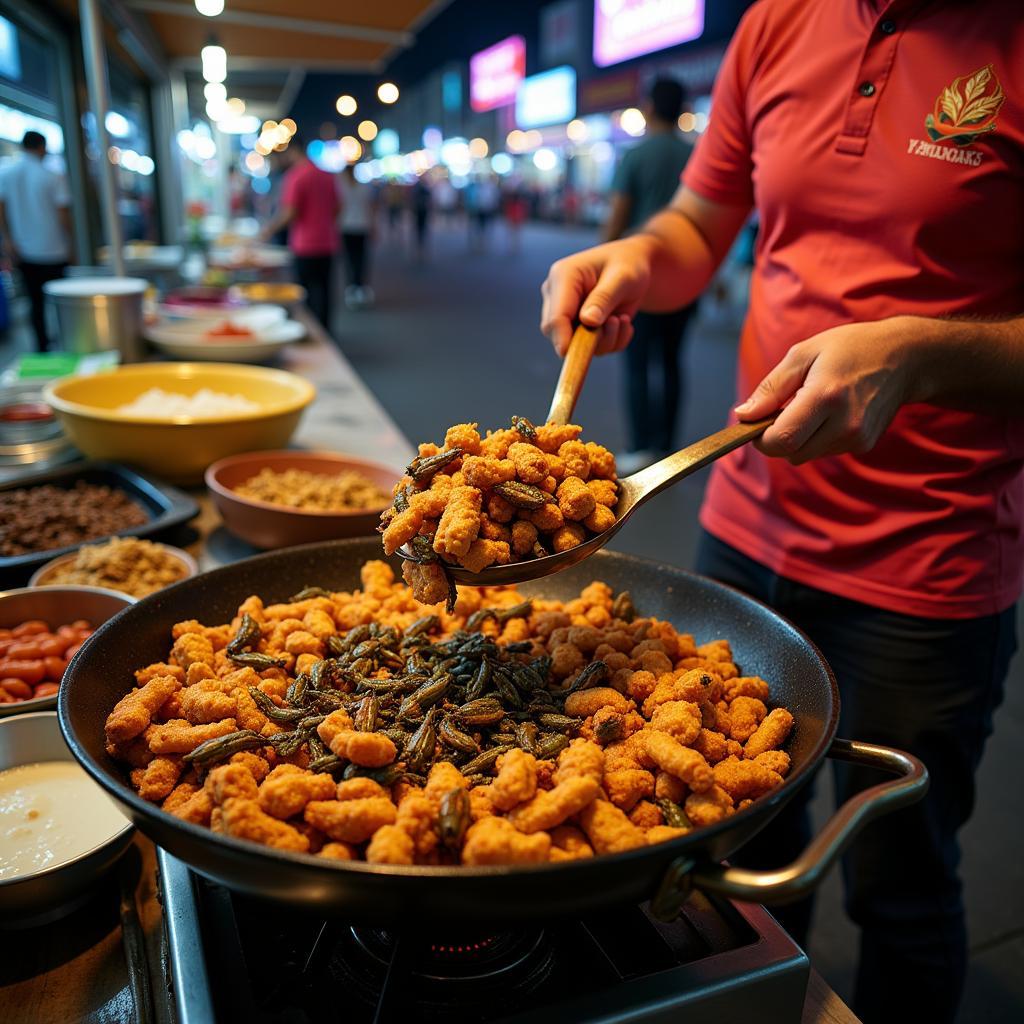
point(178, 449)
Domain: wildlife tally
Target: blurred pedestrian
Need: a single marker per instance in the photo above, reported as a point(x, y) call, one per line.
point(645, 180)
point(422, 202)
point(514, 201)
point(483, 200)
point(309, 207)
point(357, 223)
point(35, 222)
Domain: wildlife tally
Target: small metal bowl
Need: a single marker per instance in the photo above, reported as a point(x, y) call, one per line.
point(57, 606)
point(42, 576)
point(34, 899)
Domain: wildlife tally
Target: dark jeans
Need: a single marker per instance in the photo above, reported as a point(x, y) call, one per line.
point(928, 686)
point(654, 380)
point(314, 274)
point(355, 244)
point(35, 275)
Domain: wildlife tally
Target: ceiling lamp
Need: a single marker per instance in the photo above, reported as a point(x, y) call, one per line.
point(346, 105)
point(387, 92)
point(210, 8)
point(215, 63)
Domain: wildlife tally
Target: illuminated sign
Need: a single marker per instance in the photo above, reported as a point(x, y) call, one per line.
point(547, 98)
point(629, 28)
point(495, 73)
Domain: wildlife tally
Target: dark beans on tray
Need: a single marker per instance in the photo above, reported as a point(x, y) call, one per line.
point(45, 517)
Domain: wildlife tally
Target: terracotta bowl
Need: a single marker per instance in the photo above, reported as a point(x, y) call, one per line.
point(265, 525)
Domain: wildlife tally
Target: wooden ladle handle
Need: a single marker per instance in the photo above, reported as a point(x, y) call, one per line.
point(574, 372)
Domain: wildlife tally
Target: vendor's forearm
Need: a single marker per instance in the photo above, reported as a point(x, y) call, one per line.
point(971, 364)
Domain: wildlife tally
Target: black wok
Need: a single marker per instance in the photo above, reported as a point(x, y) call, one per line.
point(762, 642)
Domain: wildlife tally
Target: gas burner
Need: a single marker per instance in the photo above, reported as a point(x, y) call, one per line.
point(504, 956)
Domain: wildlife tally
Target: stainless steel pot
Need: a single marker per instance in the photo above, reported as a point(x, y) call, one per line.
point(30, 900)
point(96, 314)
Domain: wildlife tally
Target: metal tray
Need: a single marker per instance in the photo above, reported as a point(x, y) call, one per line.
point(165, 505)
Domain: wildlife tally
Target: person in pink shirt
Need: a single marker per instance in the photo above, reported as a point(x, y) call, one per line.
point(309, 208)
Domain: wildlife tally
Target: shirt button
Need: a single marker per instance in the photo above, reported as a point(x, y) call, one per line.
point(887, 28)
point(866, 89)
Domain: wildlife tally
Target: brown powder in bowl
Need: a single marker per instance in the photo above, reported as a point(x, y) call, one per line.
point(133, 566)
point(314, 492)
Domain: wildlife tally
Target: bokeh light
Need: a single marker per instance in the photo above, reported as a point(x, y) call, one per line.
point(576, 130)
point(502, 163)
point(387, 92)
point(367, 131)
point(687, 121)
point(351, 148)
point(545, 159)
point(346, 105)
point(478, 148)
point(632, 122)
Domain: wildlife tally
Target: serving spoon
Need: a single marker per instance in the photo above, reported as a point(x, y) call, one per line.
point(633, 490)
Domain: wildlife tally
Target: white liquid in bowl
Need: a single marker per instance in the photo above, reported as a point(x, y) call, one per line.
point(51, 812)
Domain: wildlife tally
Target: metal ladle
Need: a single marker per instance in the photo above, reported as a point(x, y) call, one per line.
point(633, 490)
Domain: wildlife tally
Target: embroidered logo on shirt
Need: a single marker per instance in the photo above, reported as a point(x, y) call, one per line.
point(966, 109)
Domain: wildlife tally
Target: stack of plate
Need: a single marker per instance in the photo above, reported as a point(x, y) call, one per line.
point(249, 334)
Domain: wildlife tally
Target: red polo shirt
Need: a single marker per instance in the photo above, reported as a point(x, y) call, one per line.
point(313, 195)
point(883, 145)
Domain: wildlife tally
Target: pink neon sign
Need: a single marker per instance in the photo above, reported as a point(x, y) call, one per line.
point(630, 28)
point(495, 73)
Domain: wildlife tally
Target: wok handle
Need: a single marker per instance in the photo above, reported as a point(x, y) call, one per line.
point(796, 880)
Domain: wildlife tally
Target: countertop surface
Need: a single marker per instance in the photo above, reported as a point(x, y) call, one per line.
point(74, 969)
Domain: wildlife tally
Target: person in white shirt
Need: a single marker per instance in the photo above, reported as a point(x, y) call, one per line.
point(35, 221)
point(356, 223)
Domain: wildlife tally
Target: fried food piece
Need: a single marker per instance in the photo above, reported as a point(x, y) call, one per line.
point(581, 759)
point(490, 530)
point(706, 808)
point(608, 828)
point(428, 582)
point(181, 737)
point(190, 648)
point(134, 712)
point(712, 745)
point(548, 518)
point(338, 851)
point(483, 472)
point(497, 442)
point(359, 789)
point(681, 719)
point(402, 528)
point(159, 778)
point(196, 806)
point(524, 536)
point(626, 788)
point(464, 436)
point(552, 807)
point(663, 833)
point(668, 787)
point(284, 796)
point(776, 760)
point(568, 843)
point(771, 733)
point(682, 762)
point(605, 492)
point(443, 778)
point(179, 795)
point(601, 519)
point(243, 819)
point(201, 705)
point(690, 685)
point(602, 461)
point(640, 686)
point(574, 499)
point(575, 458)
point(516, 782)
point(369, 749)
point(230, 782)
point(500, 510)
point(494, 840)
point(530, 462)
point(551, 436)
point(417, 817)
point(646, 815)
point(480, 805)
point(745, 715)
point(746, 686)
point(391, 844)
point(745, 780)
point(585, 703)
point(350, 821)
point(459, 523)
point(567, 537)
point(483, 553)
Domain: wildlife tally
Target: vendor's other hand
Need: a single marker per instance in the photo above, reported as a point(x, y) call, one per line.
point(601, 288)
point(838, 391)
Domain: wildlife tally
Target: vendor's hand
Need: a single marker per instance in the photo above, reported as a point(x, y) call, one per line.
point(843, 388)
point(602, 288)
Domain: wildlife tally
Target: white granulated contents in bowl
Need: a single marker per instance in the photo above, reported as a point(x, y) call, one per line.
point(170, 404)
